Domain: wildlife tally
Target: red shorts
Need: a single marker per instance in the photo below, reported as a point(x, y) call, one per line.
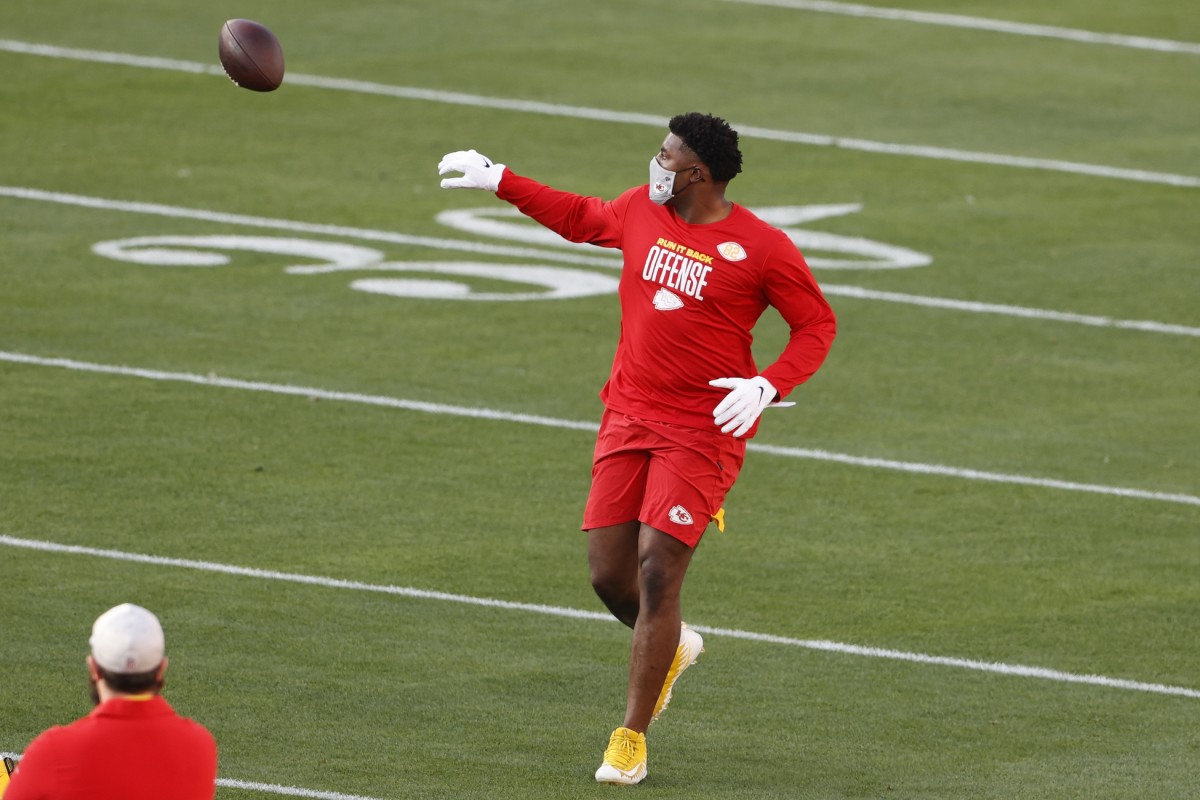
point(667, 476)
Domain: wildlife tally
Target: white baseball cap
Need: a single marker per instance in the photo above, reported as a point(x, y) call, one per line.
point(127, 640)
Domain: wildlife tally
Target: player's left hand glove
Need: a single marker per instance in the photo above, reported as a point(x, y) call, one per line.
point(478, 171)
point(746, 400)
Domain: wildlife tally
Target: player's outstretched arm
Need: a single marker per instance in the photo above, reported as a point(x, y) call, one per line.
point(478, 171)
point(574, 217)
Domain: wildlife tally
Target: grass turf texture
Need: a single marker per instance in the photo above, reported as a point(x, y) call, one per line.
point(385, 696)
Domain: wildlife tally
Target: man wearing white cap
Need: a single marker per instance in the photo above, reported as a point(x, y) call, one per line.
point(133, 746)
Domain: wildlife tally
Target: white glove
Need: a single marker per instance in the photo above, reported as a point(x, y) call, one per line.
point(746, 400)
point(478, 171)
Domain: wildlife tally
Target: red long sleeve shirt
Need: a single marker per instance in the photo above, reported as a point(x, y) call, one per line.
point(123, 750)
point(690, 295)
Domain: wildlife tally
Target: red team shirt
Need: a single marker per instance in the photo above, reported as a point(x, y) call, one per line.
point(690, 295)
point(123, 750)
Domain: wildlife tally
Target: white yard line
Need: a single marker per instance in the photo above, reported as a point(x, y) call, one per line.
point(975, 307)
point(562, 256)
point(532, 419)
point(1011, 670)
point(982, 24)
point(605, 115)
point(1015, 670)
point(288, 791)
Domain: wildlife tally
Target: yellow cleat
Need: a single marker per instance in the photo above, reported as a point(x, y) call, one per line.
point(624, 759)
point(691, 645)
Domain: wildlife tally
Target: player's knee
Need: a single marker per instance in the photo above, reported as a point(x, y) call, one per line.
point(608, 585)
point(618, 595)
point(658, 582)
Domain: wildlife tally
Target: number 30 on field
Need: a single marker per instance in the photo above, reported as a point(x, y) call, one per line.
point(444, 280)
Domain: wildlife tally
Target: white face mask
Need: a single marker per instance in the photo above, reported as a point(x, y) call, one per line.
point(661, 182)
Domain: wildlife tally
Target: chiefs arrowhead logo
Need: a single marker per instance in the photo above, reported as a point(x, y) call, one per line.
point(679, 515)
point(667, 301)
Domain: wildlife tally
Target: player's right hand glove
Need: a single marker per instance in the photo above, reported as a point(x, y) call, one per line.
point(478, 171)
point(745, 402)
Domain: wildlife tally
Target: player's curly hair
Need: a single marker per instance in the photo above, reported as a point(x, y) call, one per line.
point(712, 140)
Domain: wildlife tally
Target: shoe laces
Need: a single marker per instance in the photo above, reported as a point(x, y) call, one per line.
point(622, 752)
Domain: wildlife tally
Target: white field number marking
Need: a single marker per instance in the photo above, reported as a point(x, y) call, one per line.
point(560, 254)
point(864, 254)
point(205, 251)
point(558, 282)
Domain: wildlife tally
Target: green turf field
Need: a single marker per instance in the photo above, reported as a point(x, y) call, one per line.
point(965, 565)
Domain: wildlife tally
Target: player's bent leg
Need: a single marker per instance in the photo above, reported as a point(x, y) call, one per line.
point(663, 562)
point(613, 566)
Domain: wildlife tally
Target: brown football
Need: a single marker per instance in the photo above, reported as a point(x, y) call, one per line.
point(251, 55)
